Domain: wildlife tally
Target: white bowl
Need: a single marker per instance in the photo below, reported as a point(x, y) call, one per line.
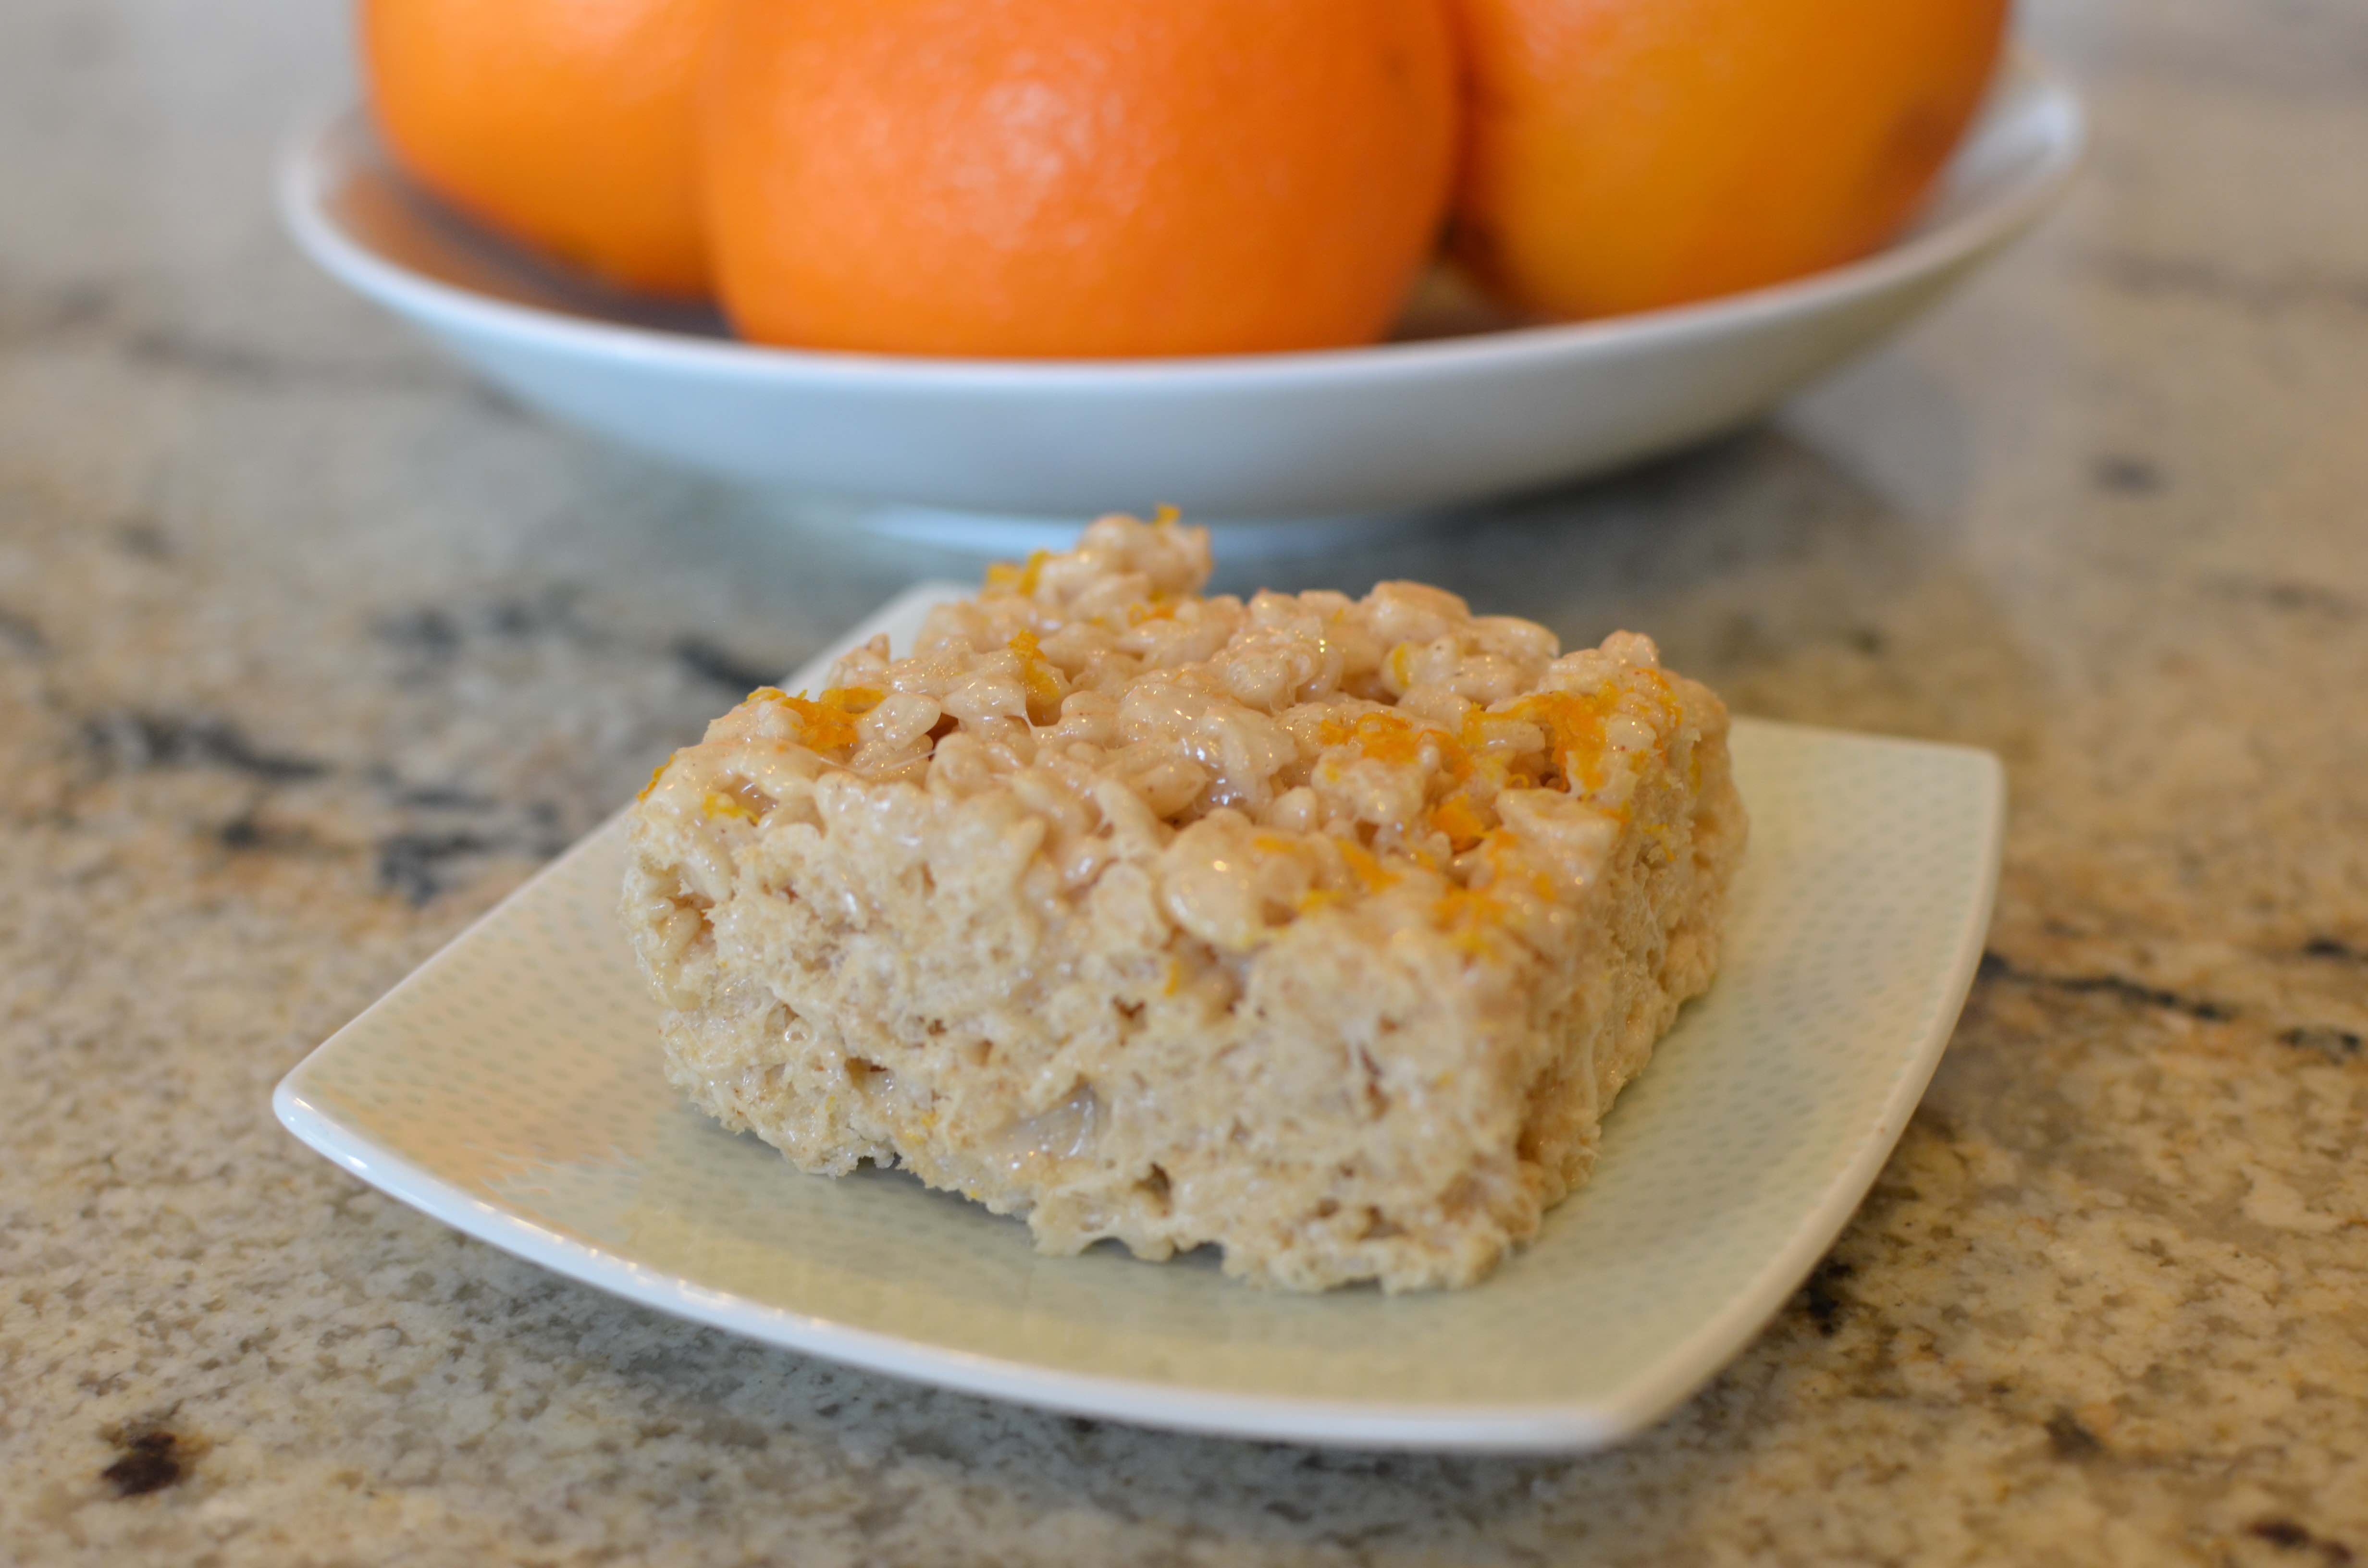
point(1427, 422)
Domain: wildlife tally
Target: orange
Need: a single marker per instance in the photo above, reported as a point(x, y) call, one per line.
point(566, 124)
point(1074, 178)
point(1627, 153)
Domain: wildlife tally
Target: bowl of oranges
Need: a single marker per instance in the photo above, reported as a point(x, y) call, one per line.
point(1260, 258)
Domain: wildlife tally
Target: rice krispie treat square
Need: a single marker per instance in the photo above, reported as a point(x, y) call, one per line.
point(1323, 930)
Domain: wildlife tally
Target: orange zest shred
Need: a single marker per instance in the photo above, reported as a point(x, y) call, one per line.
point(1501, 847)
point(821, 726)
point(1461, 820)
point(1167, 516)
point(856, 700)
point(719, 803)
point(1572, 721)
point(1020, 580)
point(1037, 677)
point(1400, 662)
point(826, 729)
point(1394, 737)
point(1576, 746)
point(1482, 733)
point(1315, 899)
point(1469, 917)
point(1366, 866)
point(656, 773)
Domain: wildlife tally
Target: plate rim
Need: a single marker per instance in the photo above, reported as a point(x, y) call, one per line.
point(1541, 1427)
point(305, 160)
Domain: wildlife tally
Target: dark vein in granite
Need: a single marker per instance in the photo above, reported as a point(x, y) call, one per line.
point(2180, 275)
point(1997, 966)
point(141, 537)
point(416, 862)
point(2282, 594)
point(2070, 1440)
point(551, 611)
point(18, 633)
point(127, 740)
point(103, 314)
point(2126, 474)
point(438, 634)
point(434, 635)
point(433, 797)
point(2335, 1044)
point(150, 1456)
point(423, 857)
point(234, 364)
point(2288, 1536)
point(422, 864)
point(1822, 1297)
point(75, 308)
point(249, 832)
point(430, 633)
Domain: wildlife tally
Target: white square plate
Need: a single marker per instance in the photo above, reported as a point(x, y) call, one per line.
point(511, 1087)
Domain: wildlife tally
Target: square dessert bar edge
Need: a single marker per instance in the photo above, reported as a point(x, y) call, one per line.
point(1321, 930)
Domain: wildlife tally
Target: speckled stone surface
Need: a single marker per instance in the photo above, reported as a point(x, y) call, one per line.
point(310, 650)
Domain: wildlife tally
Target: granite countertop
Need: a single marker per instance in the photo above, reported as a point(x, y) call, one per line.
point(311, 648)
